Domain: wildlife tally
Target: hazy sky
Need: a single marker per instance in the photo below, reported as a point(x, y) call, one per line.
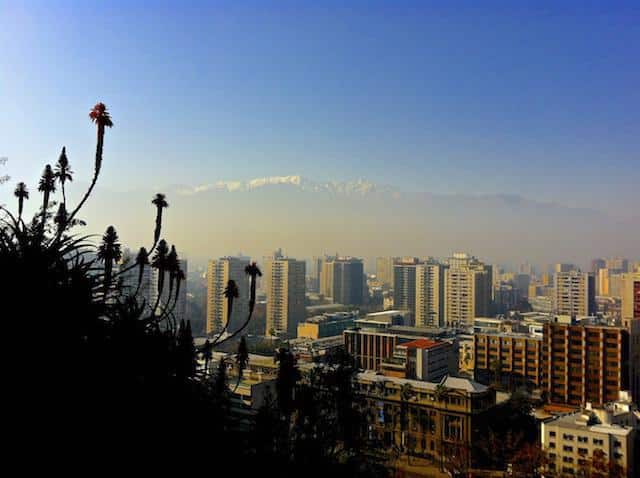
point(539, 99)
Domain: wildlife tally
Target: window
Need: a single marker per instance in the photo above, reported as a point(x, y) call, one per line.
point(567, 448)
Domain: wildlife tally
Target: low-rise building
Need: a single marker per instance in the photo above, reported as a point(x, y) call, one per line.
point(435, 421)
point(511, 359)
point(420, 359)
point(326, 325)
point(371, 346)
point(592, 437)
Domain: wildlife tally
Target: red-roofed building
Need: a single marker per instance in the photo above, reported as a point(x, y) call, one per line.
point(420, 359)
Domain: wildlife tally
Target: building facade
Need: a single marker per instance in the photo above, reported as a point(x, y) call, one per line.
point(511, 359)
point(588, 440)
point(575, 294)
point(585, 362)
point(468, 290)
point(431, 420)
point(430, 289)
point(285, 287)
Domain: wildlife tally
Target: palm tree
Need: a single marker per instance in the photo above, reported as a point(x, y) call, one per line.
point(406, 393)
point(46, 186)
point(101, 117)
point(160, 202)
point(441, 391)
point(63, 172)
point(21, 193)
point(109, 251)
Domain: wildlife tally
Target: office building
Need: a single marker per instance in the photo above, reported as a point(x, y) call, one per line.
point(326, 325)
point(285, 288)
point(219, 273)
point(342, 279)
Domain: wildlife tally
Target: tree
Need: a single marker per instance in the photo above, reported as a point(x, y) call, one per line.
point(529, 460)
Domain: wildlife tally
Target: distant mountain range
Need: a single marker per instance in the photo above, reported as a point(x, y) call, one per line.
point(360, 187)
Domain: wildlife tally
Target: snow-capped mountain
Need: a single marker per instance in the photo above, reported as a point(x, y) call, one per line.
point(359, 187)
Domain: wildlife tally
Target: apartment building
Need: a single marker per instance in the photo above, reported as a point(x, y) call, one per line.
point(584, 361)
point(511, 359)
point(590, 438)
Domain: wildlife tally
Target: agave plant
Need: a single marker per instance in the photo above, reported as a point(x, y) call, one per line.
point(22, 194)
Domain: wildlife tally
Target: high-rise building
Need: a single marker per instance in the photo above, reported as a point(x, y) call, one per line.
point(563, 267)
point(384, 269)
point(598, 264)
point(631, 295)
point(585, 361)
point(429, 308)
point(321, 276)
point(618, 265)
point(468, 290)
point(342, 279)
point(285, 286)
point(404, 285)
point(603, 281)
point(219, 273)
point(575, 294)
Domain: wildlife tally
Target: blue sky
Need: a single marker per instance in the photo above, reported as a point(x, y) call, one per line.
point(532, 98)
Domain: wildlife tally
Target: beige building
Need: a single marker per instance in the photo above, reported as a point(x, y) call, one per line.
point(285, 287)
point(219, 273)
point(631, 295)
point(575, 442)
point(384, 269)
point(575, 294)
point(603, 282)
point(429, 295)
point(468, 287)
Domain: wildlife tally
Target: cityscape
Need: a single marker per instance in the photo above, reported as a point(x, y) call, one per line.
point(385, 240)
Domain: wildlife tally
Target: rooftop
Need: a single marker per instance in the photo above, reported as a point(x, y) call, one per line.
point(453, 383)
point(574, 421)
point(421, 344)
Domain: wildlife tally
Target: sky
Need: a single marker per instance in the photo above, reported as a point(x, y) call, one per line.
point(535, 99)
